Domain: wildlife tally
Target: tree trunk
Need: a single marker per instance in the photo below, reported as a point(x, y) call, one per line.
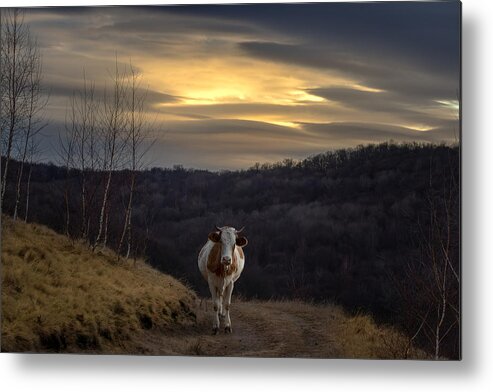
point(106, 224)
point(67, 209)
point(103, 210)
point(18, 189)
point(24, 156)
point(28, 191)
point(83, 197)
point(6, 166)
point(127, 224)
point(12, 123)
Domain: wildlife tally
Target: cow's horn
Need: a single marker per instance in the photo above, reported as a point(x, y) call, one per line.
point(217, 228)
point(239, 231)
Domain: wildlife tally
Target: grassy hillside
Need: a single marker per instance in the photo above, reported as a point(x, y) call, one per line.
point(59, 296)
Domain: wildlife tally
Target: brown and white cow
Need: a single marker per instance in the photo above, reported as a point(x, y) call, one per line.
point(221, 261)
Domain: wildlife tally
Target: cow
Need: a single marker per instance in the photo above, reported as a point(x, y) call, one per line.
point(221, 261)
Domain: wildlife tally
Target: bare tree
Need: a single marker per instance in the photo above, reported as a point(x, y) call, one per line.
point(94, 154)
point(84, 109)
point(33, 151)
point(114, 125)
point(138, 132)
point(441, 252)
point(100, 138)
point(34, 122)
point(66, 146)
point(18, 54)
point(79, 149)
point(430, 287)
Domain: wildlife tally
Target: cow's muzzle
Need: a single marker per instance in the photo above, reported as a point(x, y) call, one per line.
point(226, 260)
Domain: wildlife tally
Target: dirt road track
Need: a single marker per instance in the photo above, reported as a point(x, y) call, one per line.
point(260, 329)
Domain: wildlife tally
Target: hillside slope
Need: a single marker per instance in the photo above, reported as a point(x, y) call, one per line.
point(58, 296)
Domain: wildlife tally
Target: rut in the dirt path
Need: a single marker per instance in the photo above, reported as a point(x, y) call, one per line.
point(260, 329)
point(286, 330)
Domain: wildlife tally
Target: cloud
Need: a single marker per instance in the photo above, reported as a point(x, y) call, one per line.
point(382, 101)
point(157, 21)
point(406, 107)
point(233, 84)
point(70, 87)
point(218, 144)
point(357, 133)
point(386, 73)
point(289, 112)
point(305, 55)
point(424, 34)
point(230, 127)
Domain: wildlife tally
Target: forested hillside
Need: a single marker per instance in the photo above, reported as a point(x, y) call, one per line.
point(366, 228)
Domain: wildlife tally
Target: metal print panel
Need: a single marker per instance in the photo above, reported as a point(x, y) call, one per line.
point(269, 180)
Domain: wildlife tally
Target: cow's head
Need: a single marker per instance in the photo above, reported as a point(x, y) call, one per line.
point(228, 237)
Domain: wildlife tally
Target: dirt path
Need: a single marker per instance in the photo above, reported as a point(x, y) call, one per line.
point(265, 329)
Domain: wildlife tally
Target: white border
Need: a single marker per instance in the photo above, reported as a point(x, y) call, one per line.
point(149, 374)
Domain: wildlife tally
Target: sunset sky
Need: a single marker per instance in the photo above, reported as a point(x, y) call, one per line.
point(233, 85)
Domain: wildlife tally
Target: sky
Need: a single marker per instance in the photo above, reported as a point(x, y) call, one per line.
point(231, 85)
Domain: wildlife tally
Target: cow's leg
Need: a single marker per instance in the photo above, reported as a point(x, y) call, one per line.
point(220, 309)
point(215, 302)
point(227, 303)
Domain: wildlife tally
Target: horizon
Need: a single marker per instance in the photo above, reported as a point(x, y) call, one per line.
point(151, 167)
point(232, 85)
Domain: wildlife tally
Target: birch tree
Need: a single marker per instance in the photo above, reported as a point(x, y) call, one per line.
point(19, 59)
point(85, 112)
point(138, 132)
point(32, 153)
point(34, 122)
point(65, 152)
point(430, 288)
point(114, 127)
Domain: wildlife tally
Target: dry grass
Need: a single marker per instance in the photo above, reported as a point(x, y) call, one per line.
point(59, 296)
point(361, 337)
point(332, 332)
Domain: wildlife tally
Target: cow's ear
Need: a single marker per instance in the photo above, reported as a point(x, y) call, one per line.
point(214, 237)
point(241, 241)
